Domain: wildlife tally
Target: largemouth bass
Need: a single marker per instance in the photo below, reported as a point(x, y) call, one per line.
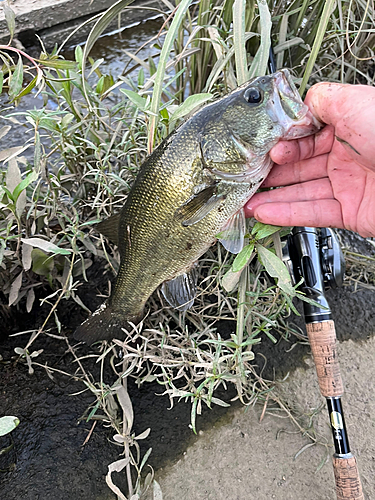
point(191, 189)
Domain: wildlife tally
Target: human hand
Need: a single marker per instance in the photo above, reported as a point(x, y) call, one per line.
point(329, 178)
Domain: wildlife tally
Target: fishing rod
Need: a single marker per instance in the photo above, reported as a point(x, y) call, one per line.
point(314, 259)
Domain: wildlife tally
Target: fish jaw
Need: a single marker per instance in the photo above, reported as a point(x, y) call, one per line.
point(289, 111)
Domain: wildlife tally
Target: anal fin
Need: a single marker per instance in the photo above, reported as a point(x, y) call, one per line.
point(180, 292)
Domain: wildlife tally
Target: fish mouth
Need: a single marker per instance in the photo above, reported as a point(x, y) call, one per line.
point(289, 111)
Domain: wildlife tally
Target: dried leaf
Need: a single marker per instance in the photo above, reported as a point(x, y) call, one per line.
point(143, 434)
point(116, 467)
point(230, 280)
point(8, 154)
point(4, 130)
point(30, 299)
point(126, 405)
point(15, 288)
point(26, 256)
point(157, 494)
point(13, 177)
point(119, 439)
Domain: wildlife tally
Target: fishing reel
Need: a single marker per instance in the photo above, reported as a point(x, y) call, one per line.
point(314, 257)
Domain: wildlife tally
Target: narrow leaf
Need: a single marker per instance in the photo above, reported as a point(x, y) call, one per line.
point(13, 177)
point(329, 5)
point(31, 177)
point(57, 63)
point(26, 256)
point(239, 8)
point(157, 493)
point(263, 230)
point(260, 61)
point(42, 263)
point(30, 299)
point(10, 18)
point(4, 130)
point(98, 29)
point(27, 89)
point(160, 73)
point(47, 246)
point(126, 405)
point(119, 465)
point(16, 80)
point(190, 104)
point(230, 280)
point(276, 268)
point(135, 98)
point(242, 258)
point(15, 288)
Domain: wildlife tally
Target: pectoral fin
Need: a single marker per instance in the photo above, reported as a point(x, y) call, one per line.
point(233, 234)
point(109, 228)
point(180, 292)
point(198, 206)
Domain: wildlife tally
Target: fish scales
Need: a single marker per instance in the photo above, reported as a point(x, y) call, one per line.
point(157, 233)
point(192, 187)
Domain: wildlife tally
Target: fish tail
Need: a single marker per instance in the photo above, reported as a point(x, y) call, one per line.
point(103, 324)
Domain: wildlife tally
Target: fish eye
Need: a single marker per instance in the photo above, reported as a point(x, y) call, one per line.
point(253, 95)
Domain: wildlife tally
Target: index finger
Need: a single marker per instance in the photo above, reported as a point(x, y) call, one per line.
point(302, 149)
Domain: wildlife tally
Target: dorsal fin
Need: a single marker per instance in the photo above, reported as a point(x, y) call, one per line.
point(109, 228)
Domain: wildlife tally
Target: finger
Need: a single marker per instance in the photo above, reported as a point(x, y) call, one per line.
point(331, 102)
point(300, 149)
point(350, 108)
point(314, 190)
point(294, 173)
point(317, 213)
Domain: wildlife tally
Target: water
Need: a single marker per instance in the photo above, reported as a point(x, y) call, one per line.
point(112, 49)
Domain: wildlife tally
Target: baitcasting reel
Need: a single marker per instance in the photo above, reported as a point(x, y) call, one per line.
point(314, 257)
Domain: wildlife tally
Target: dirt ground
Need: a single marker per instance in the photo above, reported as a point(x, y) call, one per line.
point(244, 458)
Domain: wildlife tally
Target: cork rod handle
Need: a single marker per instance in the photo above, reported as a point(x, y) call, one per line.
point(322, 338)
point(348, 483)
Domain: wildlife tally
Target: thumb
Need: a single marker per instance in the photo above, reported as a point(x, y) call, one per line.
point(350, 109)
